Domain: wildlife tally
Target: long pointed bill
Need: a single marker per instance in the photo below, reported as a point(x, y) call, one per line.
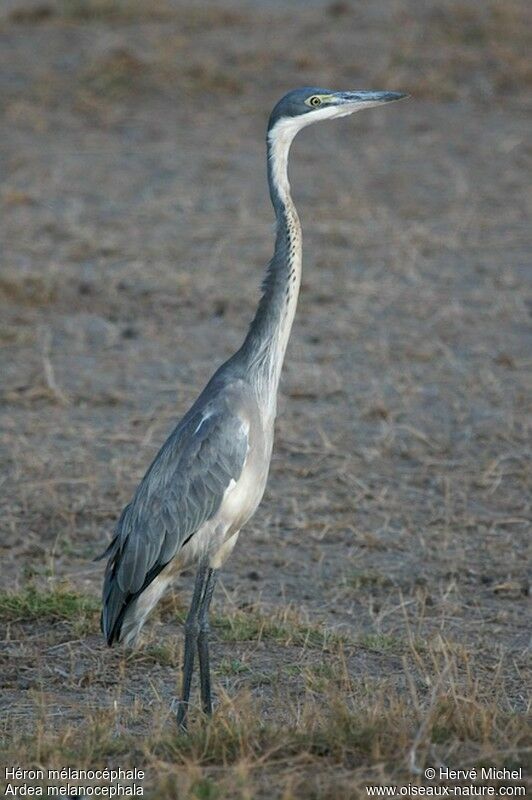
point(348, 102)
point(369, 97)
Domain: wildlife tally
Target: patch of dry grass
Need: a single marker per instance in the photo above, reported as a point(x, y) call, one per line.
point(330, 737)
point(456, 49)
point(118, 74)
point(91, 11)
point(192, 17)
point(328, 744)
point(463, 49)
point(28, 288)
point(59, 603)
point(283, 626)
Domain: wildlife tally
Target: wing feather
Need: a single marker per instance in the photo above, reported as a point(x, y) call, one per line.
point(183, 489)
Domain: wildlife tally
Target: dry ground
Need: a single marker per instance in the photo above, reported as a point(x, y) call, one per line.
point(373, 619)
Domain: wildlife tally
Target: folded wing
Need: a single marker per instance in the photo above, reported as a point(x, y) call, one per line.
point(183, 489)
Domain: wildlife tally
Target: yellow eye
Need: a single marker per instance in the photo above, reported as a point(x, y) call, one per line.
point(314, 101)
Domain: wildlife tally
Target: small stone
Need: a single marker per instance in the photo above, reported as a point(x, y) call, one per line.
point(130, 332)
point(85, 288)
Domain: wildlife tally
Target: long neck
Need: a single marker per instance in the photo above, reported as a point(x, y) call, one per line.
point(267, 338)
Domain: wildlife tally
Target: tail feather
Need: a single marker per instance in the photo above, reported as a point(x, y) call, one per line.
point(123, 611)
point(123, 614)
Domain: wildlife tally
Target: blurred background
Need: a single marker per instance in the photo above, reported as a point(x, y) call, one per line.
point(135, 225)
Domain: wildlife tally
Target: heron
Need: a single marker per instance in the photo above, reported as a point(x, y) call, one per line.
point(209, 476)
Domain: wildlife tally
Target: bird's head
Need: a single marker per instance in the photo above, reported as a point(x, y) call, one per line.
point(302, 107)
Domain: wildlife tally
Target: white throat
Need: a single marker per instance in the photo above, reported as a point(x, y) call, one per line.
point(281, 136)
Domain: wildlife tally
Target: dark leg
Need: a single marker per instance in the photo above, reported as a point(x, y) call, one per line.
point(203, 641)
point(191, 638)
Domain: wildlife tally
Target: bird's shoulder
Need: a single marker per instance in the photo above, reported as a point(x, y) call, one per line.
point(211, 440)
point(219, 421)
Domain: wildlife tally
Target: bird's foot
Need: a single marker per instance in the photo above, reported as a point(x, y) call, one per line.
point(180, 709)
point(181, 717)
point(207, 708)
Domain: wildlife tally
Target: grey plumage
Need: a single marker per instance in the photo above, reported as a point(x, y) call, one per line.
point(209, 476)
point(182, 489)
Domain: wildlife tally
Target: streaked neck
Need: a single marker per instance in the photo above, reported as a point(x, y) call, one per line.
point(268, 335)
